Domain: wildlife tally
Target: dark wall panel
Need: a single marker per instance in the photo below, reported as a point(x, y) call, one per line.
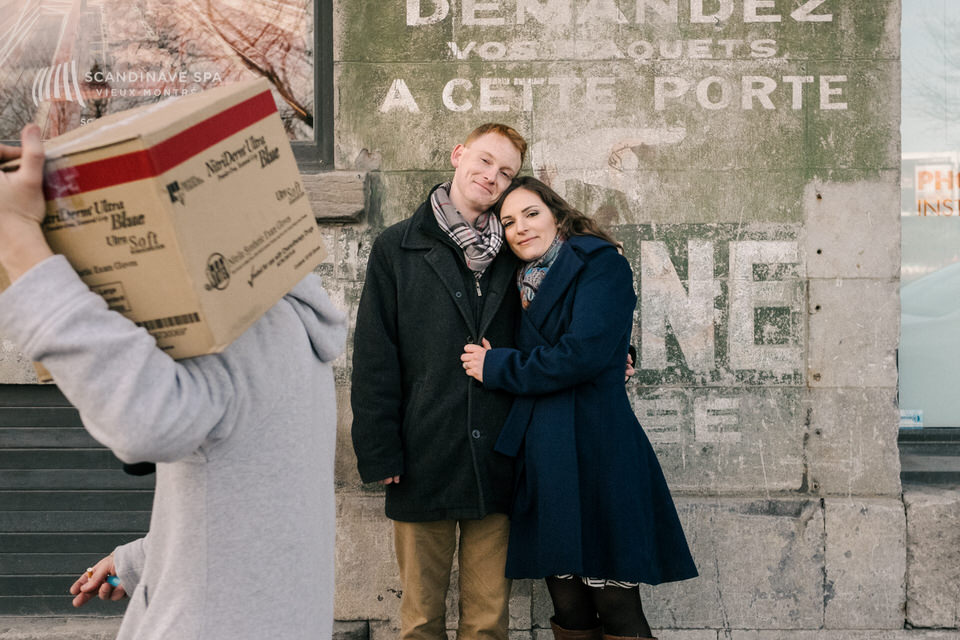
point(65, 502)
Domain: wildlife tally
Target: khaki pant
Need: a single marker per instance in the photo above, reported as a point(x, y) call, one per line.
point(425, 555)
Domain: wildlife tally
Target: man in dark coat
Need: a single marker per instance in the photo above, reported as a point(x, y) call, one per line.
point(435, 282)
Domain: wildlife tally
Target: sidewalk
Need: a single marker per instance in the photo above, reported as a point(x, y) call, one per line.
point(80, 628)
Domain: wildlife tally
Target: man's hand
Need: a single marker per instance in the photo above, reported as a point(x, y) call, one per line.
point(22, 206)
point(631, 361)
point(393, 480)
point(94, 582)
point(472, 358)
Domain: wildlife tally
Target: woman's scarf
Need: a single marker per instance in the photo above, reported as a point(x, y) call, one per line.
point(531, 275)
point(479, 242)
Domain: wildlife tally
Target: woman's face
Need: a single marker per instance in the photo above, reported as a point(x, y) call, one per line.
point(528, 224)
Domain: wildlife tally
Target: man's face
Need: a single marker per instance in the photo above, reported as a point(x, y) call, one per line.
point(484, 168)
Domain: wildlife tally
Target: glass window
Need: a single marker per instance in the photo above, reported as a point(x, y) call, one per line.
point(64, 63)
point(929, 356)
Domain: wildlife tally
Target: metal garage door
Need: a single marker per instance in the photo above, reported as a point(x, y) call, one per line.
point(65, 502)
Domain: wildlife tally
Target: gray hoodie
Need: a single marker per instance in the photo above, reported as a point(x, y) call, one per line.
point(242, 532)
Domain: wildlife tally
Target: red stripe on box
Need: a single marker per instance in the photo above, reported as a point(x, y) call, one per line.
point(161, 157)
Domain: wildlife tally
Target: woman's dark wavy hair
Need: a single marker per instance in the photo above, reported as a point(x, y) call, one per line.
point(570, 221)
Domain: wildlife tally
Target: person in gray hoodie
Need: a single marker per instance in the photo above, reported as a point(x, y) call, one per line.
point(241, 539)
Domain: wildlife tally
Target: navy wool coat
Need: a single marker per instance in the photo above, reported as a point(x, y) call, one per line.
point(590, 497)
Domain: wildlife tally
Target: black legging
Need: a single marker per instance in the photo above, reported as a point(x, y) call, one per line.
point(579, 607)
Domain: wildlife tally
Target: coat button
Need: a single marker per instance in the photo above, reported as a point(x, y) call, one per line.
point(469, 339)
point(458, 294)
point(476, 434)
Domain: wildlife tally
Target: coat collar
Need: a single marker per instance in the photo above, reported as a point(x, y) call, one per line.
point(503, 277)
point(423, 232)
point(571, 259)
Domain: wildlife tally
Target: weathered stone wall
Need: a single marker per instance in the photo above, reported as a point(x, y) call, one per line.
point(933, 556)
point(747, 154)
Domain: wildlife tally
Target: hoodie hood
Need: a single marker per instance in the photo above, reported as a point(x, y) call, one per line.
point(325, 323)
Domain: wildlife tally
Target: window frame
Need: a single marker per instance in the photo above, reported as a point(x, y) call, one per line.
point(317, 155)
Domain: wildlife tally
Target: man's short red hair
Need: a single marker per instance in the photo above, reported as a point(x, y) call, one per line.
point(506, 131)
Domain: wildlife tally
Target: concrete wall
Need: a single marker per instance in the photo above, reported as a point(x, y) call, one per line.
point(747, 154)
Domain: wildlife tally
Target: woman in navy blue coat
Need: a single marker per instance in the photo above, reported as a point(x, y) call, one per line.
point(592, 512)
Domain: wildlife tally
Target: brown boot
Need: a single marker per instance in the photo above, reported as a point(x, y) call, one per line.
point(607, 637)
point(559, 633)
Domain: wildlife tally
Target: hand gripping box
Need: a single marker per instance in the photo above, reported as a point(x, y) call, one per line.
point(188, 216)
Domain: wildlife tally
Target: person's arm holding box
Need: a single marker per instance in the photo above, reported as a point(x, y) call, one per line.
point(131, 396)
point(22, 244)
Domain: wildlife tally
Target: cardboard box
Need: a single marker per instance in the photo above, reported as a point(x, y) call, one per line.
point(188, 216)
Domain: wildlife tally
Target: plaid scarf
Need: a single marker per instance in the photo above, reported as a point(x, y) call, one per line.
point(531, 274)
point(480, 242)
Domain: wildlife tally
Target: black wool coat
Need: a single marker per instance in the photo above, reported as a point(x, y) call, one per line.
point(416, 413)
